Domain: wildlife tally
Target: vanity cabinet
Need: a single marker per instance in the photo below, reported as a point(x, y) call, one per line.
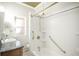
point(13, 52)
point(11, 49)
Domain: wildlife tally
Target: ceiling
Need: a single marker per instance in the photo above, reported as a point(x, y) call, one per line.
point(32, 4)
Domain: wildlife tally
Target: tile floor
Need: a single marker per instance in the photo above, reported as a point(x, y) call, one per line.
point(28, 53)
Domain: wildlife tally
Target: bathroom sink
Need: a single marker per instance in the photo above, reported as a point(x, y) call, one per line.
point(9, 40)
point(16, 42)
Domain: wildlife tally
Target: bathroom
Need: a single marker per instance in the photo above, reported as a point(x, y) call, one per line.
point(42, 28)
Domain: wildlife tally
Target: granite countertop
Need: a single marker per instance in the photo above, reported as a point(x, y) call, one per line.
point(10, 46)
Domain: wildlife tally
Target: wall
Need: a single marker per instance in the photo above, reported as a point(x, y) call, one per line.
point(62, 27)
point(1, 23)
point(34, 33)
point(13, 9)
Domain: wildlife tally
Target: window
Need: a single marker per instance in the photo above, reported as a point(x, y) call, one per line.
point(20, 25)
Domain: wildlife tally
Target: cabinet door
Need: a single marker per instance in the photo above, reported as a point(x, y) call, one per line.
point(0, 54)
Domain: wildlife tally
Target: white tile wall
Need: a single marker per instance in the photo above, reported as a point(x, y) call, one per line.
point(62, 27)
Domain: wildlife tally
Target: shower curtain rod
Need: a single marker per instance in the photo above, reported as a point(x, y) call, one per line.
point(45, 8)
point(62, 11)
